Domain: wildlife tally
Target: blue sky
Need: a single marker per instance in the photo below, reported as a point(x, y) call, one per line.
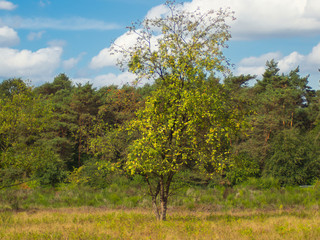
point(42, 38)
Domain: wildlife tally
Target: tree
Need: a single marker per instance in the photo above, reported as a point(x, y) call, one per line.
point(188, 121)
point(23, 117)
point(119, 105)
point(280, 102)
point(85, 103)
point(60, 134)
point(12, 86)
point(60, 82)
point(294, 158)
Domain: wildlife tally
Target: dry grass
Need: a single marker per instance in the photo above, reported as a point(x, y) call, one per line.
point(99, 223)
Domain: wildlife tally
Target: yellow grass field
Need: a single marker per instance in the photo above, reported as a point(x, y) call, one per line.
point(101, 223)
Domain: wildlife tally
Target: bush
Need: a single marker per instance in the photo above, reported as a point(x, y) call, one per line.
point(293, 159)
point(242, 168)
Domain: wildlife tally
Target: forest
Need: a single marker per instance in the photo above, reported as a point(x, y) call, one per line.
point(60, 132)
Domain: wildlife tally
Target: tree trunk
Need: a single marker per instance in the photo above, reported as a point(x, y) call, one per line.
point(164, 203)
point(154, 194)
point(164, 195)
point(161, 190)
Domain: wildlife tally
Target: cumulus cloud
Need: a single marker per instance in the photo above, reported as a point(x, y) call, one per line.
point(264, 17)
point(6, 5)
point(8, 37)
point(288, 63)
point(112, 79)
point(312, 8)
point(71, 24)
point(314, 56)
point(108, 79)
point(157, 11)
point(107, 58)
point(35, 35)
point(308, 63)
point(36, 66)
point(256, 65)
point(261, 60)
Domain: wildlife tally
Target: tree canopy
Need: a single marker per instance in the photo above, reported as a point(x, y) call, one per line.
point(188, 121)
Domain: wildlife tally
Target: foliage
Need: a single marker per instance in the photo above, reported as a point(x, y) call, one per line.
point(85, 104)
point(241, 168)
point(52, 170)
point(23, 117)
point(12, 86)
point(59, 135)
point(294, 159)
point(188, 121)
point(119, 105)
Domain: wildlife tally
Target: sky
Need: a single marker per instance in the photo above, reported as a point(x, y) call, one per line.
point(41, 38)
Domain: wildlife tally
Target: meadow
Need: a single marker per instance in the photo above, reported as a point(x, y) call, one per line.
point(254, 210)
point(103, 223)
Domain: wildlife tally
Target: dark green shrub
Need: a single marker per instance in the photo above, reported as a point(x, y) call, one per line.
point(293, 159)
point(242, 167)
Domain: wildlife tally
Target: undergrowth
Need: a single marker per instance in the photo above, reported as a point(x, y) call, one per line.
point(132, 193)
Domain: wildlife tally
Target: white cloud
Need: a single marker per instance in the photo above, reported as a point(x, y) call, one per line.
point(263, 18)
point(291, 61)
point(108, 79)
point(112, 79)
point(37, 66)
point(72, 62)
point(8, 37)
point(252, 70)
point(314, 57)
point(71, 24)
point(106, 58)
point(35, 35)
point(6, 5)
point(312, 8)
point(157, 11)
point(261, 60)
point(309, 64)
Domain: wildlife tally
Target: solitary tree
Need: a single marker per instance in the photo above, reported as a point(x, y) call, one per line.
point(188, 121)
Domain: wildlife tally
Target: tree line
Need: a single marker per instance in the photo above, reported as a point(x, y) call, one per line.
point(57, 130)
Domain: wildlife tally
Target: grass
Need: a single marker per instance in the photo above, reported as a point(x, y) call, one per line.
point(130, 194)
point(255, 210)
point(103, 223)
